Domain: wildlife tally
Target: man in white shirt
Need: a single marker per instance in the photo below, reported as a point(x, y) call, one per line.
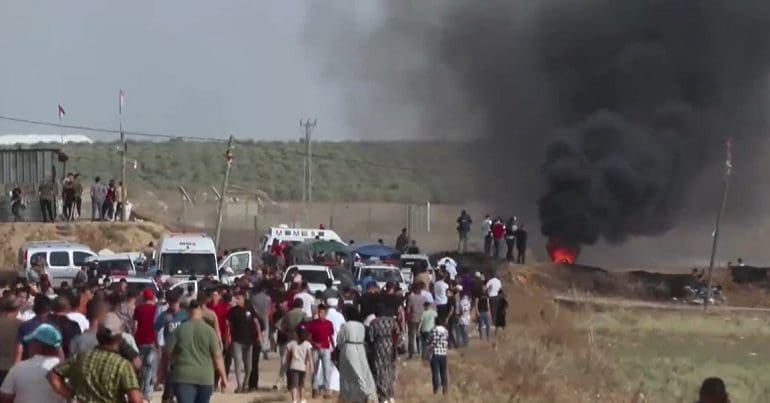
point(440, 296)
point(307, 300)
point(25, 382)
point(449, 265)
point(492, 289)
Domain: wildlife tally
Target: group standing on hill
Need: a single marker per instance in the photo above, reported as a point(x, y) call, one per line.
point(496, 235)
point(106, 201)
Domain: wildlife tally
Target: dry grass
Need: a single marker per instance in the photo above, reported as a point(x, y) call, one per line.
point(552, 354)
point(541, 357)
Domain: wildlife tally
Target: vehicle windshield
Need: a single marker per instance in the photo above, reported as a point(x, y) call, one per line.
point(383, 275)
point(310, 276)
point(416, 265)
point(187, 264)
point(116, 267)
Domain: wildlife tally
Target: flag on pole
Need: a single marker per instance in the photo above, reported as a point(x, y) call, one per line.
point(61, 112)
point(121, 101)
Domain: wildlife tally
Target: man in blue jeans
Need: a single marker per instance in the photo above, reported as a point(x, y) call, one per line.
point(146, 339)
point(438, 343)
point(194, 350)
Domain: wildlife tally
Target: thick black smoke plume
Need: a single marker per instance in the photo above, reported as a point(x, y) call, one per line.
point(610, 109)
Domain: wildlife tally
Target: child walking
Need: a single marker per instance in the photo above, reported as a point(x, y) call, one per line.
point(438, 345)
point(299, 362)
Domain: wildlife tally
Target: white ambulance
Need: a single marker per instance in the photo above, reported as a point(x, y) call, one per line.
point(183, 255)
point(294, 236)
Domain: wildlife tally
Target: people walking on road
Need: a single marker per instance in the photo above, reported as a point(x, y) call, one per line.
point(483, 317)
point(196, 356)
point(521, 244)
point(145, 337)
point(245, 330)
point(23, 384)
point(100, 374)
point(356, 380)
point(438, 342)
point(299, 362)
point(464, 223)
point(384, 333)
point(502, 310)
point(415, 306)
point(498, 234)
point(486, 232)
point(287, 331)
point(427, 323)
point(321, 332)
point(510, 238)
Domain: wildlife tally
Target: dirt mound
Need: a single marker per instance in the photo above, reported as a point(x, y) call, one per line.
point(114, 236)
point(637, 284)
point(468, 262)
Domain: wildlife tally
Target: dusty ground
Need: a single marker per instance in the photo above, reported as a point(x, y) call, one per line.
point(114, 236)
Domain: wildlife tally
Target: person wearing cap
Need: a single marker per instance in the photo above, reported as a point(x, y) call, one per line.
point(22, 384)
point(42, 309)
point(101, 374)
point(96, 312)
point(9, 328)
point(166, 323)
point(146, 338)
point(194, 349)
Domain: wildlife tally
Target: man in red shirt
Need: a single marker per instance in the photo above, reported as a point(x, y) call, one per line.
point(221, 307)
point(321, 332)
point(145, 336)
point(498, 233)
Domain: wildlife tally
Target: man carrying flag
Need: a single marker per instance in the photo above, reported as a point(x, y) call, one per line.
point(61, 112)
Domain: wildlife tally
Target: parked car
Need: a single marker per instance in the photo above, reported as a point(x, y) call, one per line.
point(315, 276)
point(63, 259)
point(121, 264)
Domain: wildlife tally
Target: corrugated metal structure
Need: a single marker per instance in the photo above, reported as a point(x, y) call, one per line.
point(27, 168)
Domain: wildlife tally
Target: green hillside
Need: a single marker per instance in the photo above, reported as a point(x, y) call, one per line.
point(349, 171)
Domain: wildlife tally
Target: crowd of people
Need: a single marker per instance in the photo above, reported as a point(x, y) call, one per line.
point(99, 341)
point(106, 201)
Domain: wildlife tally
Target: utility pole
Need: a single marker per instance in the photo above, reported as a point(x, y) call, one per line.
point(123, 151)
point(720, 212)
point(229, 159)
point(308, 177)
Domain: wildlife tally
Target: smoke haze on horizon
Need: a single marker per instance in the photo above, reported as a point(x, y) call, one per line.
point(605, 113)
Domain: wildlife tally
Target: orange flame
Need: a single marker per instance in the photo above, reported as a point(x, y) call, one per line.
point(560, 252)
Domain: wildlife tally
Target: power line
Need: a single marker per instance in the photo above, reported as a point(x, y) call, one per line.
point(213, 139)
point(107, 131)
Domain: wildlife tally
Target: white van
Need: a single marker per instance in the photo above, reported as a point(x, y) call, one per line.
point(296, 235)
point(121, 264)
point(64, 259)
point(184, 255)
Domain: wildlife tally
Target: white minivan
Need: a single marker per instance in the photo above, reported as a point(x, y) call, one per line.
point(63, 259)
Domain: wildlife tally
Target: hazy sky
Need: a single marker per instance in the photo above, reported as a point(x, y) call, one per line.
point(192, 67)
